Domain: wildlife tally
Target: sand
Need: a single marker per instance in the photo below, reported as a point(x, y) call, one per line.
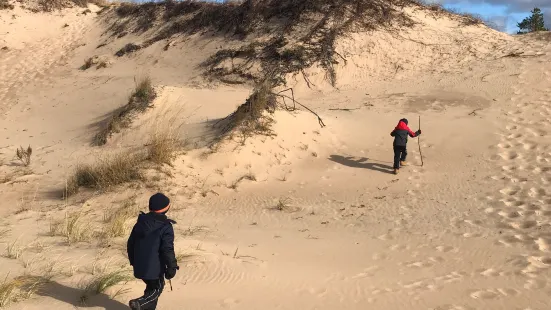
point(323, 224)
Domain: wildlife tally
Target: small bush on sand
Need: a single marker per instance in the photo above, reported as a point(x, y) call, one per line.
point(5, 5)
point(101, 283)
point(127, 49)
point(140, 99)
point(107, 172)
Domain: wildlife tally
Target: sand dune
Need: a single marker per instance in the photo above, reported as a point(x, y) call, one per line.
point(309, 217)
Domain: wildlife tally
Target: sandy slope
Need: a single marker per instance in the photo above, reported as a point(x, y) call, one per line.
point(468, 230)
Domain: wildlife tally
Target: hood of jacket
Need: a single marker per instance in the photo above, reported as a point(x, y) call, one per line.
point(402, 126)
point(150, 222)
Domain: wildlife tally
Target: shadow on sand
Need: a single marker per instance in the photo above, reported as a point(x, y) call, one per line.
point(362, 162)
point(72, 296)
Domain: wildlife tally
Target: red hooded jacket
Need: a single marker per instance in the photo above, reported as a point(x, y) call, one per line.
point(401, 133)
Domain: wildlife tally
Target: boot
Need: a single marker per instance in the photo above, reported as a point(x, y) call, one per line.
point(396, 171)
point(403, 163)
point(134, 304)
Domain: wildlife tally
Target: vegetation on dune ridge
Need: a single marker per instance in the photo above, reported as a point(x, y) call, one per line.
point(284, 37)
point(295, 34)
point(139, 101)
point(51, 5)
point(6, 5)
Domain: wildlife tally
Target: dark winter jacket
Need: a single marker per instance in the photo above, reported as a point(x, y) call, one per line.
point(401, 133)
point(151, 246)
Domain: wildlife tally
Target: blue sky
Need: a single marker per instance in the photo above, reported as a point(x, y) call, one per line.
point(504, 13)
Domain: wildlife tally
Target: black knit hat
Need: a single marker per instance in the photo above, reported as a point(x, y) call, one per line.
point(404, 120)
point(159, 203)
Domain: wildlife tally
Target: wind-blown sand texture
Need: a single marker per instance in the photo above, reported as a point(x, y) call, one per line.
point(307, 218)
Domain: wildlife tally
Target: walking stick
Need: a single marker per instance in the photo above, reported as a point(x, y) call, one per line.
point(170, 282)
point(419, 142)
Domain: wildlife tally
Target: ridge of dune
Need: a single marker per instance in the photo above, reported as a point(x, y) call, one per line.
point(309, 213)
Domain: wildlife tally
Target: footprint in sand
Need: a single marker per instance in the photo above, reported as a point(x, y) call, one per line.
point(490, 272)
point(509, 214)
point(535, 284)
point(493, 293)
point(446, 249)
point(510, 155)
point(451, 307)
point(229, 303)
point(367, 272)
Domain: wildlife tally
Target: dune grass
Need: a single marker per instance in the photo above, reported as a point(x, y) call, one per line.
point(162, 146)
point(14, 250)
point(252, 117)
point(9, 291)
point(73, 227)
point(140, 100)
point(106, 172)
point(116, 222)
point(19, 288)
point(101, 283)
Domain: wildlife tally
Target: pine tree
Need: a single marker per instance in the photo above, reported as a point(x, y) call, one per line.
point(533, 23)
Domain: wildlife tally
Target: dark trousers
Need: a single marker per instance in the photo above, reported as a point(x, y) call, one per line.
point(400, 154)
point(153, 290)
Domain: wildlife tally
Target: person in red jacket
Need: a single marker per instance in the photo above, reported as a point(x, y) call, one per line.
point(400, 134)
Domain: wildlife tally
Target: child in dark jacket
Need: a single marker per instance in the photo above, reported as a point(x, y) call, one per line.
point(151, 251)
point(400, 134)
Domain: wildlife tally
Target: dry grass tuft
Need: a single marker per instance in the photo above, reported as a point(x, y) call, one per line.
point(9, 291)
point(117, 221)
point(140, 100)
point(184, 257)
point(102, 64)
point(14, 250)
point(251, 117)
point(99, 62)
point(107, 172)
point(127, 49)
point(88, 63)
point(20, 288)
point(73, 227)
point(162, 146)
point(4, 232)
point(24, 155)
point(101, 283)
point(248, 176)
point(283, 205)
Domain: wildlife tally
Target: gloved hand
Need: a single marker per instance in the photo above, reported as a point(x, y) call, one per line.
point(418, 132)
point(171, 272)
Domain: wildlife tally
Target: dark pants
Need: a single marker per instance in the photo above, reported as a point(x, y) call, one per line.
point(151, 295)
point(400, 154)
